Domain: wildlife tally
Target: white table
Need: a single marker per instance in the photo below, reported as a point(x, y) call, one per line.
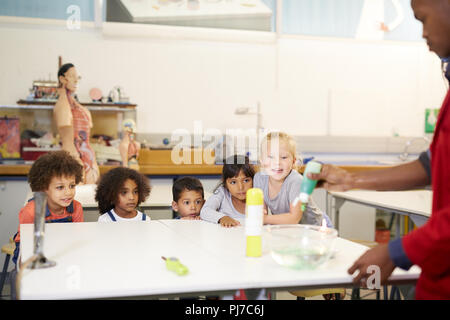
point(106, 260)
point(414, 203)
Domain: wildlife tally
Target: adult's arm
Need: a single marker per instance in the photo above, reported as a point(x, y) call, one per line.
point(432, 239)
point(426, 246)
point(402, 177)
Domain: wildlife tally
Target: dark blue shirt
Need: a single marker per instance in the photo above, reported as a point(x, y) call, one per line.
point(396, 251)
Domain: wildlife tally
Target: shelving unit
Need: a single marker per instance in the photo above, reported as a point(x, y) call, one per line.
point(38, 115)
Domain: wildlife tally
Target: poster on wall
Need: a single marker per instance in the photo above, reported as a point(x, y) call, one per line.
point(9, 138)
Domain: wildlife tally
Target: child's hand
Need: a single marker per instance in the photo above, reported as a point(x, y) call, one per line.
point(228, 222)
point(295, 209)
point(296, 212)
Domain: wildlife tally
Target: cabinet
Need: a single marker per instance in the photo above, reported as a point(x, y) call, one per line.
point(12, 198)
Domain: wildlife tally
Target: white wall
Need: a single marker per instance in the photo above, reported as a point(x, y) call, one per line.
point(369, 88)
point(306, 86)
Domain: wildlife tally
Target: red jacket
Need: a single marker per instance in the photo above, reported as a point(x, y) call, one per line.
point(429, 246)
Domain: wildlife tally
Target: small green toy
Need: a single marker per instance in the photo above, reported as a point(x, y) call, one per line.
point(173, 264)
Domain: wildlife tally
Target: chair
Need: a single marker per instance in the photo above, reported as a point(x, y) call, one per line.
point(302, 294)
point(8, 249)
point(356, 291)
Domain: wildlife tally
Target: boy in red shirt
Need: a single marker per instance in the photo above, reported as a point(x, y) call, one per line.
point(57, 174)
point(428, 246)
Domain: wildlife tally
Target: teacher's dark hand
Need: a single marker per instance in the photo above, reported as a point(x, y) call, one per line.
point(333, 178)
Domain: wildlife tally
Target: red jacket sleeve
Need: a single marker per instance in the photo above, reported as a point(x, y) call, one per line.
point(429, 246)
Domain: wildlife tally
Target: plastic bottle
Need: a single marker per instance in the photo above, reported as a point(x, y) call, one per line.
point(254, 222)
point(308, 185)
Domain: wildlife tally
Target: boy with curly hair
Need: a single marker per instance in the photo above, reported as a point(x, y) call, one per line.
point(119, 193)
point(57, 174)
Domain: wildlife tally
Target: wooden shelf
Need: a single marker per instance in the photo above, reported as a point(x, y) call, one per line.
point(167, 169)
point(86, 104)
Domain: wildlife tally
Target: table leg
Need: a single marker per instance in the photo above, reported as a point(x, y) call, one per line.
point(419, 220)
point(398, 227)
point(411, 224)
point(338, 202)
point(405, 225)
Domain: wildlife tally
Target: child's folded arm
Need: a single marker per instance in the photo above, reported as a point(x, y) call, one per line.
point(292, 217)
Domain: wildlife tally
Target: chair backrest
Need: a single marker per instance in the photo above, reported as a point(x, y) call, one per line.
point(9, 247)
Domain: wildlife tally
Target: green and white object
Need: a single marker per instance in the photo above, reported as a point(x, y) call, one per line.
point(431, 116)
point(308, 185)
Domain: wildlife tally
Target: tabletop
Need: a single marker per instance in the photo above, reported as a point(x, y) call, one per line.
point(417, 202)
point(106, 260)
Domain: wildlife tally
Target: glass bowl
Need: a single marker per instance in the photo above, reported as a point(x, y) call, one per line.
point(301, 246)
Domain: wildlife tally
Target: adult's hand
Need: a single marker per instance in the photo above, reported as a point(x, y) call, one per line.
point(378, 256)
point(333, 178)
point(401, 177)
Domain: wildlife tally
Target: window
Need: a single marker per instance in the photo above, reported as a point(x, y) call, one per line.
point(360, 19)
point(47, 9)
point(256, 15)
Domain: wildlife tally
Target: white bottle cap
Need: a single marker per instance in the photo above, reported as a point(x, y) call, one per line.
point(304, 197)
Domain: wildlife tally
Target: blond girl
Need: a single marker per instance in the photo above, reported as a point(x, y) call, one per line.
point(280, 182)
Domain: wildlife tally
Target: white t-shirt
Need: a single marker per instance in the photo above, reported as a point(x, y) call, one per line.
point(288, 192)
point(220, 205)
point(107, 218)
